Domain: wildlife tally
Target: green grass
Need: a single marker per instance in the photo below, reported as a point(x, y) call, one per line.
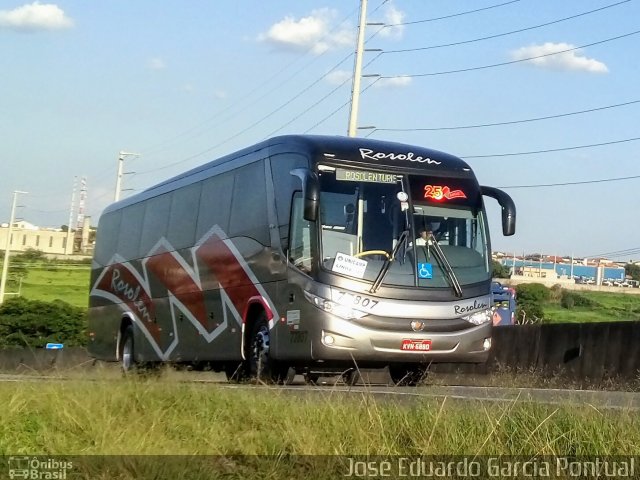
point(165, 417)
point(162, 417)
point(45, 283)
point(606, 307)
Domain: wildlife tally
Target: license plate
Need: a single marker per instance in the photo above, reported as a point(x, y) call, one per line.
point(416, 345)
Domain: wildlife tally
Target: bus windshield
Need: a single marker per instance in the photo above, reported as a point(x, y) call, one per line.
point(363, 215)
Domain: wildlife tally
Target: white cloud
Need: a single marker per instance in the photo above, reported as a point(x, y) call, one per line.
point(337, 77)
point(219, 94)
point(572, 60)
point(393, 16)
point(35, 16)
point(313, 32)
point(394, 82)
point(156, 64)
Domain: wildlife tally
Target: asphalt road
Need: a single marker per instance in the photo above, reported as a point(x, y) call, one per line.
point(405, 395)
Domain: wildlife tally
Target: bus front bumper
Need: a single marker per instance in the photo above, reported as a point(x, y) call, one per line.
point(341, 340)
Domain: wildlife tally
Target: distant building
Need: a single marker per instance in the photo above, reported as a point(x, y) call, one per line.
point(25, 236)
point(536, 272)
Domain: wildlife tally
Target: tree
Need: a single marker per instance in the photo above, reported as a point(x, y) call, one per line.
point(633, 270)
point(531, 297)
point(31, 255)
point(35, 323)
point(499, 270)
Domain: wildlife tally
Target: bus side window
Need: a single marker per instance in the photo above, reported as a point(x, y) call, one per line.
point(300, 251)
point(107, 236)
point(284, 185)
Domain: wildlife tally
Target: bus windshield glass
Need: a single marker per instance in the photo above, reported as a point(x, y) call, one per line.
point(363, 215)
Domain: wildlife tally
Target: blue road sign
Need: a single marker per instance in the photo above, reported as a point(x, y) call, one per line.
point(54, 346)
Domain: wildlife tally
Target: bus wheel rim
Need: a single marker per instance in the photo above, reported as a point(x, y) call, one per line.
point(127, 354)
point(261, 349)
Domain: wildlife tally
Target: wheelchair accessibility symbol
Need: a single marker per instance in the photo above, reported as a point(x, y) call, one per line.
point(425, 270)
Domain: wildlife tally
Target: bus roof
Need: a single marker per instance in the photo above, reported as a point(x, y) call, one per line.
point(367, 152)
point(358, 152)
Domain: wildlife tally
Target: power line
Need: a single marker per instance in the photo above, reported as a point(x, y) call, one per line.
point(318, 102)
point(453, 15)
point(273, 112)
point(258, 87)
point(266, 116)
point(553, 149)
point(563, 184)
point(511, 122)
point(315, 104)
point(254, 124)
point(616, 253)
point(502, 64)
point(339, 108)
point(489, 37)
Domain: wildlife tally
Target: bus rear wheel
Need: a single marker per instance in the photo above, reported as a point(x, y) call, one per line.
point(127, 358)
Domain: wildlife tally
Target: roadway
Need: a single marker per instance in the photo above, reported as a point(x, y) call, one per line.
point(596, 399)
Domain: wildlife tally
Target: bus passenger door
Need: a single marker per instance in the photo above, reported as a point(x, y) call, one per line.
point(295, 328)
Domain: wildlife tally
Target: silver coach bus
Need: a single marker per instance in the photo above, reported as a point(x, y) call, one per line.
point(301, 254)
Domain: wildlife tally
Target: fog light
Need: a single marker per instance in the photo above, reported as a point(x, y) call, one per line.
point(329, 340)
point(487, 343)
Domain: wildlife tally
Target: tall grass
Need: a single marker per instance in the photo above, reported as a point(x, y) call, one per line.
point(263, 432)
point(78, 417)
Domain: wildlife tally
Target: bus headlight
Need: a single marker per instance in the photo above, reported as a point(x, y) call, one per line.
point(478, 318)
point(336, 309)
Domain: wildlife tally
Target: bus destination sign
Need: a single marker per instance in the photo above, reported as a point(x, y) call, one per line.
point(364, 176)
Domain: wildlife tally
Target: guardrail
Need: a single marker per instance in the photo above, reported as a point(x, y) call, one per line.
point(39, 359)
point(593, 352)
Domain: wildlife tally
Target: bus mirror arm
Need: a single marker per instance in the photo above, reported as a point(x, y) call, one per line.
point(310, 192)
point(508, 208)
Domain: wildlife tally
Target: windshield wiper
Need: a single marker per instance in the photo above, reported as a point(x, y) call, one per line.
point(388, 261)
point(444, 263)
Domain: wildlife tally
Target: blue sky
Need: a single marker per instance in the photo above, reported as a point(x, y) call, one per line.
point(182, 83)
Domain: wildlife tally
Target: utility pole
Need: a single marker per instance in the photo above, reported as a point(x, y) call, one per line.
point(121, 157)
point(69, 245)
point(5, 265)
point(357, 72)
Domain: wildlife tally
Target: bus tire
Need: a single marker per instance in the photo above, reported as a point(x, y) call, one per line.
point(235, 372)
point(351, 377)
point(127, 358)
point(311, 378)
point(407, 375)
point(260, 366)
point(283, 374)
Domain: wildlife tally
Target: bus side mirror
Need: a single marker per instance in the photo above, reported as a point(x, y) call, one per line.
point(508, 209)
point(310, 192)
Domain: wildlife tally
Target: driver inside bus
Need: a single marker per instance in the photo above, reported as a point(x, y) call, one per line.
point(425, 235)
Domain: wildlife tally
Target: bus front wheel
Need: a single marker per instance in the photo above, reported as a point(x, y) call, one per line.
point(260, 366)
point(407, 375)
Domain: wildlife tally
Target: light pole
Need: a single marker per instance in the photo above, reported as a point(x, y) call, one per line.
point(5, 265)
point(121, 157)
point(357, 72)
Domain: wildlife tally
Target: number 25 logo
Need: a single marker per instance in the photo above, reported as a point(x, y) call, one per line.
point(439, 192)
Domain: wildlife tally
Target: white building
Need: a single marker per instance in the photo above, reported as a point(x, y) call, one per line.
point(54, 241)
